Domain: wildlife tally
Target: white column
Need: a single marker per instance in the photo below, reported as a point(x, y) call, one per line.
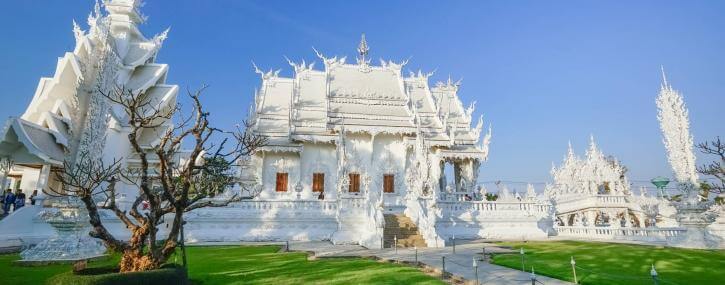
point(3, 181)
point(42, 184)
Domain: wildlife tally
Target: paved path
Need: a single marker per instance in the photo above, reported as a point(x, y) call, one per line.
point(460, 263)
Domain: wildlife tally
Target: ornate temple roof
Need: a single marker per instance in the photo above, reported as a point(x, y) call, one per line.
point(359, 97)
point(67, 112)
point(30, 143)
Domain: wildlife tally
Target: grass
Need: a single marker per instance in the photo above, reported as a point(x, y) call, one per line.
point(250, 265)
point(263, 265)
point(13, 274)
point(610, 263)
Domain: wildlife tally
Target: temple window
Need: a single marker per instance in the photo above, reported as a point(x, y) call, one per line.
point(388, 183)
point(281, 182)
point(318, 182)
point(354, 183)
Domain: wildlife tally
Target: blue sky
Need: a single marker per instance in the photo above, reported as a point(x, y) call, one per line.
point(543, 72)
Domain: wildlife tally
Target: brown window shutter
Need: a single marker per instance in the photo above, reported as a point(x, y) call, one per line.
point(388, 183)
point(318, 182)
point(281, 182)
point(354, 182)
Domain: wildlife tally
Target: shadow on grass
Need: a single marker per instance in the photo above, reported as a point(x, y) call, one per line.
point(608, 263)
point(263, 265)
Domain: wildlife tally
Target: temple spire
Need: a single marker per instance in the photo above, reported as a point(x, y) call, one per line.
point(664, 77)
point(570, 151)
point(592, 145)
point(362, 49)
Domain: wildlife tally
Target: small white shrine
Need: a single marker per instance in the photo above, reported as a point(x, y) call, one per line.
point(593, 200)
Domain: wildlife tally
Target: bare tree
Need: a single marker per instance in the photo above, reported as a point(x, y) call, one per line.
point(168, 187)
point(716, 168)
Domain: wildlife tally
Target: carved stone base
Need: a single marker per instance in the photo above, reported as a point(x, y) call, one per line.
point(697, 236)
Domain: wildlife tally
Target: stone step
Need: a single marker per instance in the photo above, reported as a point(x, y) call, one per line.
point(404, 229)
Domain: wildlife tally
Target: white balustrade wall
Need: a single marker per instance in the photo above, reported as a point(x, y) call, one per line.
point(264, 220)
point(528, 219)
point(569, 204)
point(651, 235)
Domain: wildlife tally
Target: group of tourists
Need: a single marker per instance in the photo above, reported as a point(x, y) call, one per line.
point(15, 201)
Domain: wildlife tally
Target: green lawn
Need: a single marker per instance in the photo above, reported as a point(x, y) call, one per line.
point(251, 265)
point(609, 263)
point(11, 274)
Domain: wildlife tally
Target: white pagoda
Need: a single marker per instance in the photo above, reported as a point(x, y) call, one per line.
point(68, 115)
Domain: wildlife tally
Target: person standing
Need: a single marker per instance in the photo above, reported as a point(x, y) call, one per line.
point(9, 200)
point(32, 197)
point(19, 200)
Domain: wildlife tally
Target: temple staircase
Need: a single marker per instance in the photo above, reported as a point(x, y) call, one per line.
point(402, 227)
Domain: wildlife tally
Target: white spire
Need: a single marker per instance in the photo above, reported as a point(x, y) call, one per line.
point(675, 125)
point(570, 151)
point(362, 49)
point(664, 77)
point(128, 8)
point(593, 150)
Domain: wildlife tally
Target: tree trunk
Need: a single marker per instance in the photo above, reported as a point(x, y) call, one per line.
point(134, 260)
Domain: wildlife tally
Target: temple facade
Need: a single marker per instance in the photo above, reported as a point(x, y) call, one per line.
point(69, 117)
point(357, 153)
point(359, 130)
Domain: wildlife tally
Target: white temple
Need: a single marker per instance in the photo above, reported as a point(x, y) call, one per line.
point(356, 150)
point(68, 115)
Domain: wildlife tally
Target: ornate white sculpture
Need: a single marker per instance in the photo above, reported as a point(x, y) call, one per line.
point(692, 211)
point(675, 125)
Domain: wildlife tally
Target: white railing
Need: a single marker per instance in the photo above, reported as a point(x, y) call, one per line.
point(456, 196)
point(493, 206)
point(352, 203)
point(299, 205)
point(629, 233)
point(565, 204)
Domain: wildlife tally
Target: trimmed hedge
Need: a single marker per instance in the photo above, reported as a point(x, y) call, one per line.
point(167, 275)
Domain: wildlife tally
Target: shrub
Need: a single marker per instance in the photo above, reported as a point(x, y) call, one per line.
point(170, 274)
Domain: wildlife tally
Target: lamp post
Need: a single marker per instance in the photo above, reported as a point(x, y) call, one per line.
point(416, 255)
point(443, 262)
point(661, 182)
point(475, 269)
point(454, 244)
point(533, 276)
point(573, 269)
point(395, 243)
point(653, 273)
point(523, 267)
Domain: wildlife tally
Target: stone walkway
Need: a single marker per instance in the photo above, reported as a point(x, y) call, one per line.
point(459, 264)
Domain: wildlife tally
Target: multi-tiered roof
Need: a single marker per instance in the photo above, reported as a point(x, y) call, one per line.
point(67, 112)
point(314, 105)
